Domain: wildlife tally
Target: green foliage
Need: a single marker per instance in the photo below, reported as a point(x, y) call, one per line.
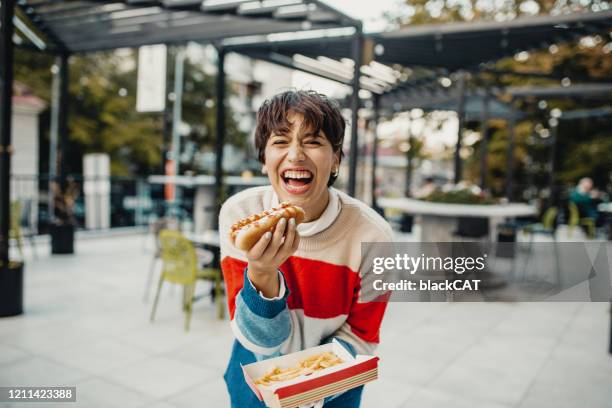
point(102, 109)
point(463, 196)
point(103, 118)
point(583, 146)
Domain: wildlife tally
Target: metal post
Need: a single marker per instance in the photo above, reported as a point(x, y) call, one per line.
point(166, 118)
point(6, 90)
point(510, 165)
point(220, 139)
point(484, 142)
point(461, 119)
point(62, 117)
point(179, 64)
point(375, 119)
point(610, 340)
point(53, 134)
point(554, 129)
point(357, 47)
point(409, 157)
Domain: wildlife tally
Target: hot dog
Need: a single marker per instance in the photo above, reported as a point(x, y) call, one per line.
point(245, 233)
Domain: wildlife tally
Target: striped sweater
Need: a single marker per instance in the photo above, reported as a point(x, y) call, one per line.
point(320, 285)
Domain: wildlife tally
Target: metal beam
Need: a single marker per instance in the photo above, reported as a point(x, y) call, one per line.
point(357, 48)
point(288, 62)
point(510, 165)
point(484, 141)
point(193, 32)
point(62, 124)
point(461, 118)
point(54, 134)
point(177, 111)
point(409, 163)
point(375, 119)
point(220, 136)
point(36, 22)
point(554, 132)
point(7, 11)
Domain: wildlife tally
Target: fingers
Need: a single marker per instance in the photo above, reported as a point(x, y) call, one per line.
point(282, 243)
point(277, 238)
point(258, 249)
point(289, 237)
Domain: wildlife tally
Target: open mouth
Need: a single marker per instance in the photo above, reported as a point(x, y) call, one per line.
point(297, 180)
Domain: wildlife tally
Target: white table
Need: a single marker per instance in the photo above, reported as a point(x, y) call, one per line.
point(605, 207)
point(206, 238)
point(439, 220)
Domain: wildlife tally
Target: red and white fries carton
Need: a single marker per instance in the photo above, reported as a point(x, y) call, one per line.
point(351, 373)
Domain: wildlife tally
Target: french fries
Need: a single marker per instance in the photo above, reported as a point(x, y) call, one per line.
point(307, 366)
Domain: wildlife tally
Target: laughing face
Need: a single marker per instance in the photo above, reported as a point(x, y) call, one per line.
point(299, 164)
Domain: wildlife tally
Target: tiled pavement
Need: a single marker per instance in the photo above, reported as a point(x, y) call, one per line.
point(87, 325)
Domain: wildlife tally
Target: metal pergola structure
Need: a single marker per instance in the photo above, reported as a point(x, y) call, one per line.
point(390, 58)
point(306, 35)
point(63, 28)
point(598, 93)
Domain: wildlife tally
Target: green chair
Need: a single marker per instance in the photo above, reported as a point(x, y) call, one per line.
point(180, 266)
point(546, 227)
point(574, 220)
point(15, 230)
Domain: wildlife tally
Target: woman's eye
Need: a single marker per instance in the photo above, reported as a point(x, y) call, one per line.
point(313, 142)
point(279, 142)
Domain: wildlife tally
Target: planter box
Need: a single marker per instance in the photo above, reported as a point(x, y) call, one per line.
point(11, 290)
point(62, 239)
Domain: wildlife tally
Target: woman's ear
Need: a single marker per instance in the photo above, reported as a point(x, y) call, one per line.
point(264, 170)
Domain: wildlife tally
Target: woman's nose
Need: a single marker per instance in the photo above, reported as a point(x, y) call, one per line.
point(296, 153)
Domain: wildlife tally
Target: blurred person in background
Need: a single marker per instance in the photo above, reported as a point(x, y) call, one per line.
point(426, 188)
point(586, 198)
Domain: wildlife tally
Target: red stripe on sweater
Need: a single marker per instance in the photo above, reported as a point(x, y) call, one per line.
point(321, 289)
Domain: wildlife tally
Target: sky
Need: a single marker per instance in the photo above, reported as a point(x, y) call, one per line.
point(368, 11)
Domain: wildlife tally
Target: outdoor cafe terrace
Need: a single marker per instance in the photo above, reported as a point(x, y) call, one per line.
point(83, 308)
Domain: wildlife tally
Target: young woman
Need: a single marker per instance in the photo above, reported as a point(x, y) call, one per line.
point(299, 287)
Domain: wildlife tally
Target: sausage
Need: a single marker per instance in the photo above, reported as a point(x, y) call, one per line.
point(245, 233)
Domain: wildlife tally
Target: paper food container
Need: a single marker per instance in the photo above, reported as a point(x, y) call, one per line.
point(353, 372)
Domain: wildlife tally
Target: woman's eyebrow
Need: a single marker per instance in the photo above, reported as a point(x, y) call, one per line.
point(311, 134)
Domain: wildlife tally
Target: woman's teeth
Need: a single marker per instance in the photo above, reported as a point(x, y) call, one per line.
point(297, 181)
point(297, 174)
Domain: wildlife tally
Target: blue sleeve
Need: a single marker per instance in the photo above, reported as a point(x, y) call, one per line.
point(261, 325)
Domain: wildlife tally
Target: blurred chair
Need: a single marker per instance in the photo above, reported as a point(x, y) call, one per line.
point(155, 228)
point(180, 266)
point(546, 227)
point(28, 229)
point(15, 230)
point(574, 220)
point(21, 225)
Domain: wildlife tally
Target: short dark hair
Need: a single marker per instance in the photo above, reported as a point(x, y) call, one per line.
point(320, 113)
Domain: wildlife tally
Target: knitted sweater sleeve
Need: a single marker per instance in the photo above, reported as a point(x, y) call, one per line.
point(261, 325)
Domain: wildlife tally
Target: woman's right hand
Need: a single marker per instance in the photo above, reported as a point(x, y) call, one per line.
point(269, 253)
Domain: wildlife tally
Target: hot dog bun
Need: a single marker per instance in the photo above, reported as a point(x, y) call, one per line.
point(245, 233)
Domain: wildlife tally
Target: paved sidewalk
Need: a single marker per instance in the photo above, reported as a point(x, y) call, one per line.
point(86, 325)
